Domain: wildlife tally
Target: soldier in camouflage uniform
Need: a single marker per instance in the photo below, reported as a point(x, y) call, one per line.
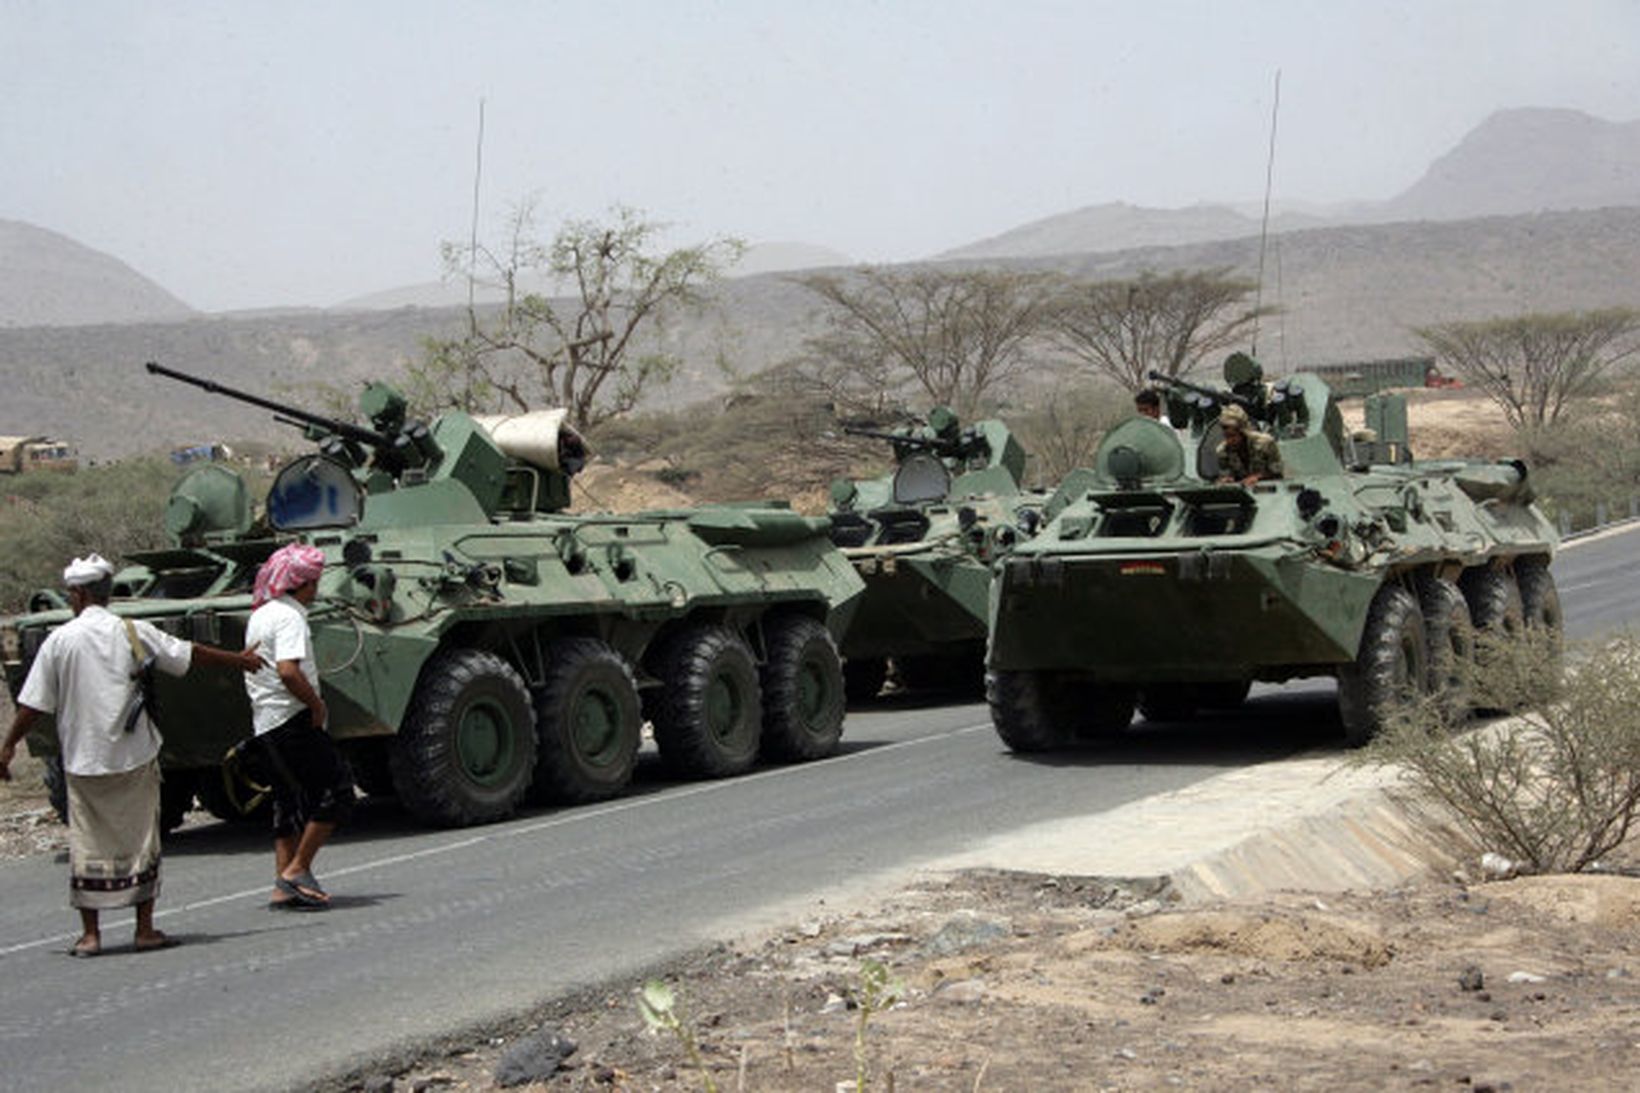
point(1245, 456)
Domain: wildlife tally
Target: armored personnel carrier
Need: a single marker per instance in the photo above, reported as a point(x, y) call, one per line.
point(1159, 581)
point(924, 538)
point(479, 645)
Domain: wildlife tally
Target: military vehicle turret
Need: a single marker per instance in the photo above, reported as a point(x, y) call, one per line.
point(924, 537)
point(477, 643)
point(1159, 581)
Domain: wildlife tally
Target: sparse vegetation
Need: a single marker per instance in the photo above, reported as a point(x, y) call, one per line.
point(957, 335)
point(1535, 365)
point(50, 518)
point(1555, 788)
point(876, 991)
point(580, 350)
point(1124, 328)
point(659, 1005)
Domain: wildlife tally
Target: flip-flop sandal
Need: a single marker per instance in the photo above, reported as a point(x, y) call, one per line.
point(83, 953)
point(309, 882)
point(296, 905)
point(297, 897)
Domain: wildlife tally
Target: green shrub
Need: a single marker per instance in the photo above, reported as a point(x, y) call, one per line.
point(46, 519)
point(1554, 788)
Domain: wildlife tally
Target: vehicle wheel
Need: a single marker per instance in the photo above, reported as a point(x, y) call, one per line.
point(588, 721)
point(1540, 607)
point(863, 678)
point(1101, 710)
point(1494, 600)
point(1390, 669)
point(466, 750)
point(803, 700)
point(1451, 636)
point(1032, 711)
point(1495, 609)
point(51, 773)
point(709, 713)
point(1229, 695)
point(1174, 702)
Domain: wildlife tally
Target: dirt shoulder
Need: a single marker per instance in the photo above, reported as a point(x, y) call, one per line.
point(1013, 981)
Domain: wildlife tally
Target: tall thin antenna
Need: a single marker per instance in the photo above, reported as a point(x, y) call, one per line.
point(478, 175)
point(1264, 227)
point(472, 261)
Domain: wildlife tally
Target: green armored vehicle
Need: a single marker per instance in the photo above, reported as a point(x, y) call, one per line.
point(924, 538)
point(1162, 581)
point(477, 644)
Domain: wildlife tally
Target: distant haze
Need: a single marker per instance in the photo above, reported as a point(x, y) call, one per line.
point(241, 155)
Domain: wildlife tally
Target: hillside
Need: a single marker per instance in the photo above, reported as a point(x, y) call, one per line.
point(1515, 162)
point(49, 279)
point(1347, 293)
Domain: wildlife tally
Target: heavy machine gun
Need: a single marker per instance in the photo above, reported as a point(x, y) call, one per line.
point(394, 446)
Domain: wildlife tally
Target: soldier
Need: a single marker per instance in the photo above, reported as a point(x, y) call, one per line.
point(1245, 456)
point(1148, 403)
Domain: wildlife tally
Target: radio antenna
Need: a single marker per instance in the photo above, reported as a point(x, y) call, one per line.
point(1264, 226)
point(478, 175)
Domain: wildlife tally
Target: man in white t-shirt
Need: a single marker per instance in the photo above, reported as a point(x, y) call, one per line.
point(312, 788)
point(86, 675)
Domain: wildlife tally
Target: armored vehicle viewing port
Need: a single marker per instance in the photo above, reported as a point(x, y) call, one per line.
point(924, 539)
point(478, 645)
point(1158, 583)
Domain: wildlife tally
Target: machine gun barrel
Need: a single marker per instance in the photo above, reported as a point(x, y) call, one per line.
point(1218, 396)
point(930, 442)
point(290, 414)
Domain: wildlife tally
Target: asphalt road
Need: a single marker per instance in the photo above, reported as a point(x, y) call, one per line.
point(432, 931)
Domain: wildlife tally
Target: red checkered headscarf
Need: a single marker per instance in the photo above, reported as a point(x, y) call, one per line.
point(291, 566)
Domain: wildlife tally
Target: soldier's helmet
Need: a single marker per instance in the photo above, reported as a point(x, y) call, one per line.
point(1234, 417)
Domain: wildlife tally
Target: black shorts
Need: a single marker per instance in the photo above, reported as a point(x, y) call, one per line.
point(311, 781)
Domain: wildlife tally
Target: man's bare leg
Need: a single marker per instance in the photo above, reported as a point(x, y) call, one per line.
point(147, 936)
point(300, 861)
point(284, 849)
point(90, 942)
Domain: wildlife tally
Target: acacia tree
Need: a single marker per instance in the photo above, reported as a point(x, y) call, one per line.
point(958, 334)
point(567, 330)
point(1129, 327)
point(1532, 365)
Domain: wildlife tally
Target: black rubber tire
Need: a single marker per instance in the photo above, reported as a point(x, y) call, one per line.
point(588, 723)
point(708, 715)
point(1101, 710)
point(1171, 702)
point(1450, 633)
point(1495, 609)
point(803, 696)
point(863, 678)
point(471, 697)
point(1032, 711)
point(1390, 670)
point(1540, 607)
point(1493, 598)
point(1229, 695)
point(56, 782)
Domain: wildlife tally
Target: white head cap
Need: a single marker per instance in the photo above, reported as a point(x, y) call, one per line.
point(88, 570)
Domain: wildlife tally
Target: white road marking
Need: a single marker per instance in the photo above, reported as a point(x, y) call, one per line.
point(579, 815)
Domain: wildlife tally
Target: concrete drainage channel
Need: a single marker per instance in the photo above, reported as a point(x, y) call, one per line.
point(1310, 823)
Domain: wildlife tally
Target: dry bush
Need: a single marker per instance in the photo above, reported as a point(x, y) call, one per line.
point(50, 518)
point(1554, 788)
point(1063, 430)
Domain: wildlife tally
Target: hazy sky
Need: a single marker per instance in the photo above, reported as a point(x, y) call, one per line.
point(247, 155)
